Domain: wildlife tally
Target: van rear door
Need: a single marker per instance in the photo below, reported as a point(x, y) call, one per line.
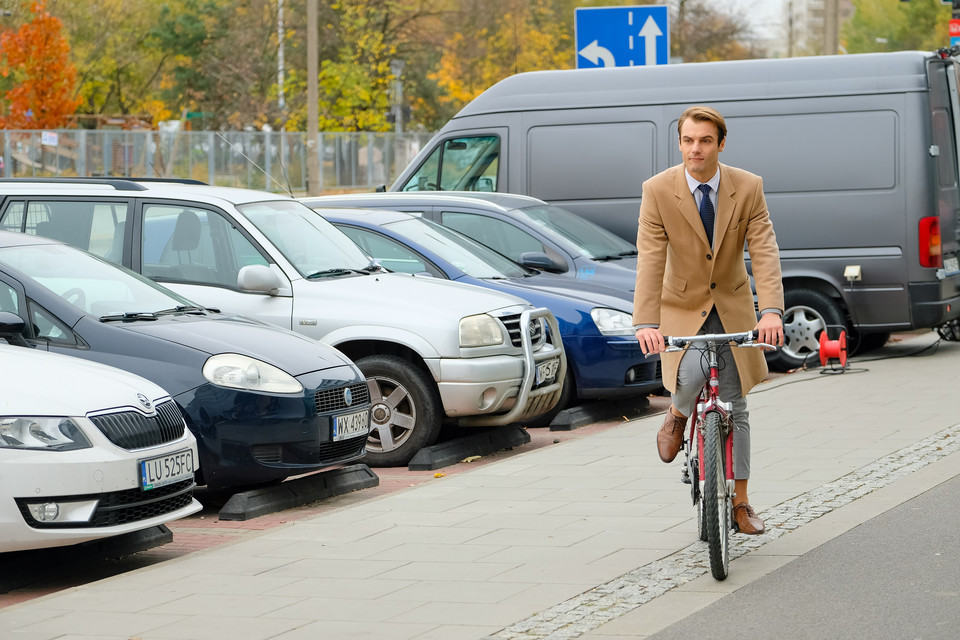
point(932, 301)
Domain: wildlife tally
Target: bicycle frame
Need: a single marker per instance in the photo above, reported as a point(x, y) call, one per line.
point(715, 511)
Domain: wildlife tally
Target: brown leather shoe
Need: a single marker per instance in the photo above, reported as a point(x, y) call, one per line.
point(747, 520)
point(670, 436)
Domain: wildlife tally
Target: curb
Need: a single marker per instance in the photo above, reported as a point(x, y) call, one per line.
point(478, 444)
point(25, 568)
point(597, 411)
point(297, 492)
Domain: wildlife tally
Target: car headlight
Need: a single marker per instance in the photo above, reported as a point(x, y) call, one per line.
point(480, 330)
point(28, 432)
point(243, 372)
point(611, 322)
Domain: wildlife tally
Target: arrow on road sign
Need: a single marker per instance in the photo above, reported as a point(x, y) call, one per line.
point(594, 53)
point(650, 32)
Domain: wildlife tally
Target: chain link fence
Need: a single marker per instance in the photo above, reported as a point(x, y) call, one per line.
point(272, 161)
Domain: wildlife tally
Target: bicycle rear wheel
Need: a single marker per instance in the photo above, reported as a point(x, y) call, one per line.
point(716, 505)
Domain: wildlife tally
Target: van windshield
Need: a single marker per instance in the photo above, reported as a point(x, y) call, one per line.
point(593, 240)
point(310, 243)
point(460, 164)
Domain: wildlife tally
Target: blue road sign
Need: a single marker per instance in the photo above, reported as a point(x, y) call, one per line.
point(621, 36)
point(954, 41)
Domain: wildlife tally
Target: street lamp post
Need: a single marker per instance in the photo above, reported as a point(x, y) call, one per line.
point(313, 148)
point(396, 68)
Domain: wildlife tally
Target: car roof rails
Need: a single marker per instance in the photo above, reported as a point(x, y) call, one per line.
point(117, 183)
point(120, 184)
point(171, 180)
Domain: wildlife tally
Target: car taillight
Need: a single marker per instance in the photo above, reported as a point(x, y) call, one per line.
point(931, 253)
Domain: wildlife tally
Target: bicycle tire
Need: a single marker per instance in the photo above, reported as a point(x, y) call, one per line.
point(698, 502)
point(716, 502)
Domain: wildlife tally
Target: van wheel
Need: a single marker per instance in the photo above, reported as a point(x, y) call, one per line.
point(807, 314)
point(405, 412)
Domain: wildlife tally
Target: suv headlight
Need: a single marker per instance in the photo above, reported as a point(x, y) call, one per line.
point(28, 432)
point(480, 330)
point(243, 372)
point(611, 322)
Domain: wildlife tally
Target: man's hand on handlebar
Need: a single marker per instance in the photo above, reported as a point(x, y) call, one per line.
point(651, 341)
point(770, 329)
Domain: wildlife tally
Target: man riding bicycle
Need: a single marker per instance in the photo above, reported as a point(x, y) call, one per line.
point(695, 220)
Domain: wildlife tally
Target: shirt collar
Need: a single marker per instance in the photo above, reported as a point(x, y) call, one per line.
point(693, 183)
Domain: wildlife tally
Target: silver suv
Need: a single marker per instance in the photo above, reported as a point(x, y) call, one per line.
point(433, 351)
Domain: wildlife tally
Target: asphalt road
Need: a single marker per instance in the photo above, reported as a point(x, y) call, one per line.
point(905, 564)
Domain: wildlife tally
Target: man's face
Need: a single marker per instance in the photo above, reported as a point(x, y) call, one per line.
point(700, 149)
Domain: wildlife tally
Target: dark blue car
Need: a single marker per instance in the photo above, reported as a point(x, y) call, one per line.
point(526, 230)
point(264, 403)
point(603, 357)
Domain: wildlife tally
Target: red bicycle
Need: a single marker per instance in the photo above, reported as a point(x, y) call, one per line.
point(711, 462)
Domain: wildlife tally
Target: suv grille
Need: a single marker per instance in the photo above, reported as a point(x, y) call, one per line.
point(328, 400)
point(120, 507)
point(512, 323)
point(132, 430)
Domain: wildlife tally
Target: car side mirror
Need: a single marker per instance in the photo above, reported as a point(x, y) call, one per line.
point(540, 260)
point(11, 329)
point(258, 278)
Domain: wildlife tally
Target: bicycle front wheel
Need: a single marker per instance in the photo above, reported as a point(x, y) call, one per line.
point(716, 503)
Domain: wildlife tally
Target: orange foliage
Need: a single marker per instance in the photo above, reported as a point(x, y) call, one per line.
point(37, 57)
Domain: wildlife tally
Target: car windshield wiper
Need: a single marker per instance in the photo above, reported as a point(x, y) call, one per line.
point(337, 271)
point(128, 316)
point(183, 308)
point(618, 256)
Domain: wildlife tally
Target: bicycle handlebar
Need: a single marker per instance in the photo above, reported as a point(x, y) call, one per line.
point(742, 339)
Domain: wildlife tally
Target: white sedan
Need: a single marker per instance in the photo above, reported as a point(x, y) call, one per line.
point(86, 451)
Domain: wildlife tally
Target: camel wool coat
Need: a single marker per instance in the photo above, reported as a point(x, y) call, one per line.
point(680, 278)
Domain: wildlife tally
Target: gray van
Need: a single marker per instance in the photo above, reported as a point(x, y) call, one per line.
point(858, 154)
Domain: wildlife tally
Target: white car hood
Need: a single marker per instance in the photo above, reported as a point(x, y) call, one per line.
point(38, 383)
point(414, 294)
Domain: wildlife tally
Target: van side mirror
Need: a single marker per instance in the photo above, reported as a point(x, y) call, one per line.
point(11, 329)
point(381, 188)
point(540, 260)
point(258, 278)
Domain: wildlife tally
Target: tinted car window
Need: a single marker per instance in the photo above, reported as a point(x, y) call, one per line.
point(8, 299)
point(504, 237)
point(13, 218)
point(188, 244)
point(390, 254)
point(49, 328)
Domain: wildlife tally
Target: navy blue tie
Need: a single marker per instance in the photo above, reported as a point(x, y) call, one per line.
point(706, 212)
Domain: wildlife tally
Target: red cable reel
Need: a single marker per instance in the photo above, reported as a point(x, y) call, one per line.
point(833, 349)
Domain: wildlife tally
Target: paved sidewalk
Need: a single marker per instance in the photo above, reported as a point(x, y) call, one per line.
point(582, 539)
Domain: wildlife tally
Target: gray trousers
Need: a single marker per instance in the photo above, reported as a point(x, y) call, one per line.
point(694, 369)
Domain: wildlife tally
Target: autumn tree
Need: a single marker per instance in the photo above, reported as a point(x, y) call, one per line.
point(492, 40)
point(892, 25)
point(37, 56)
point(701, 33)
point(118, 69)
